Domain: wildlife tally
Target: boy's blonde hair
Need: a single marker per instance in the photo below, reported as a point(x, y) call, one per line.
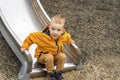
point(59, 19)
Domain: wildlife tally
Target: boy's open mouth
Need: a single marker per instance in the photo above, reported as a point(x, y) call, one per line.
point(55, 36)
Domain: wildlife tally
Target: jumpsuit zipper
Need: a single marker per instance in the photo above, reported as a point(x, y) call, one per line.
point(57, 45)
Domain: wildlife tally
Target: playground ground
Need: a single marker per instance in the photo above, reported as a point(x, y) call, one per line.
point(95, 27)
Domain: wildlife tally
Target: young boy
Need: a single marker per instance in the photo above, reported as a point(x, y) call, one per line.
point(50, 47)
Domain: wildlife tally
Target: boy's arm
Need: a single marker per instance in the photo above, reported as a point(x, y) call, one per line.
point(22, 49)
point(27, 43)
point(70, 40)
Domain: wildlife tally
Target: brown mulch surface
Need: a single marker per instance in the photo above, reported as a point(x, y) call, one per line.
point(9, 64)
point(95, 27)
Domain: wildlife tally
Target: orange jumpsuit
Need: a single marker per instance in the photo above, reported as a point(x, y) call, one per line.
point(46, 44)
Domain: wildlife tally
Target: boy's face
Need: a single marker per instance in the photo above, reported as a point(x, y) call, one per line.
point(56, 30)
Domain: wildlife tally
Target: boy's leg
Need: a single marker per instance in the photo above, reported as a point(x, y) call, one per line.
point(60, 60)
point(48, 60)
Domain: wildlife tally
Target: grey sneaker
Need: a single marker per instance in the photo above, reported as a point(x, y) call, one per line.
point(51, 76)
point(59, 75)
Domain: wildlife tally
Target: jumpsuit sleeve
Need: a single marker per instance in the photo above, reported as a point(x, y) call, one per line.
point(29, 40)
point(69, 39)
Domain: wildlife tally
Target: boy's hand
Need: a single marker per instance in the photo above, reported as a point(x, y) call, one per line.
point(22, 49)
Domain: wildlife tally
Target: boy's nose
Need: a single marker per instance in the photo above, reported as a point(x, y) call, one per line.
point(55, 31)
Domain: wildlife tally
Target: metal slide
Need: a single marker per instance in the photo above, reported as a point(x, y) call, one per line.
point(18, 18)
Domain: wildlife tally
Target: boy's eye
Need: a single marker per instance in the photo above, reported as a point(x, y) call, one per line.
point(53, 28)
point(59, 29)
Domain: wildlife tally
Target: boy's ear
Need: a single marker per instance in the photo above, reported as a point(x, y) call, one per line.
point(63, 29)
